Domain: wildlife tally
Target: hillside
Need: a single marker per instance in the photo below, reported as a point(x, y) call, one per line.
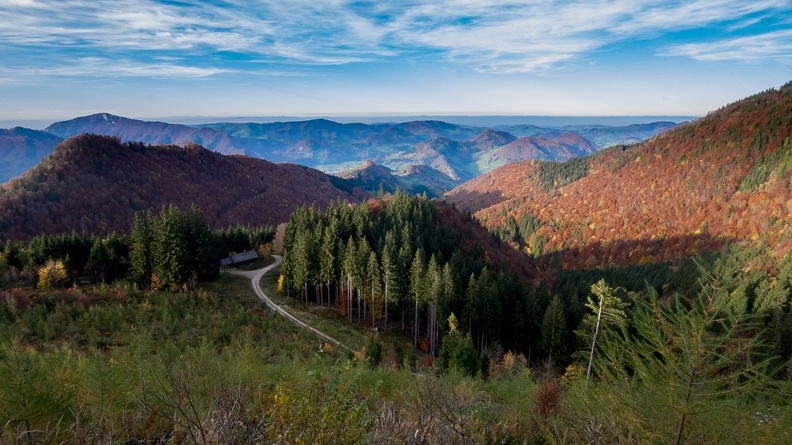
point(459, 151)
point(559, 148)
point(96, 183)
point(722, 178)
point(370, 178)
point(21, 149)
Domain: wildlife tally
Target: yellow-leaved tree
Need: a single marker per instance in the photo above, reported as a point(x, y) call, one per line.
point(52, 274)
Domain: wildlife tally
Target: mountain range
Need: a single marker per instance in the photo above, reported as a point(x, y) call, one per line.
point(700, 186)
point(458, 151)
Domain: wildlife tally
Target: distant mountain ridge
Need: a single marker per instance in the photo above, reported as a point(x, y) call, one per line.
point(332, 146)
point(95, 184)
point(21, 149)
point(155, 133)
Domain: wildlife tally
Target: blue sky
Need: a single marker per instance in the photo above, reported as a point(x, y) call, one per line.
point(157, 59)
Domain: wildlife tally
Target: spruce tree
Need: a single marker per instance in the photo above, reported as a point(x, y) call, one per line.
point(417, 272)
point(327, 258)
point(141, 244)
point(98, 262)
point(457, 350)
point(390, 279)
point(555, 333)
point(170, 252)
point(202, 246)
point(349, 269)
point(375, 287)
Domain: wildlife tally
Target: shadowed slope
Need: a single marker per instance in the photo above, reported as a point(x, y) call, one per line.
point(96, 183)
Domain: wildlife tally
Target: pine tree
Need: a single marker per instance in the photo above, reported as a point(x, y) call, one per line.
point(388, 283)
point(170, 254)
point(432, 285)
point(417, 291)
point(489, 307)
point(457, 350)
point(117, 254)
point(403, 277)
point(314, 261)
point(555, 332)
point(327, 258)
point(375, 284)
point(608, 311)
point(299, 260)
point(98, 262)
point(39, 251)
point(682, 361)
point(361, 276)
point(141, 255)
point(390, 279)
point(202, 246)
point(471, 313)
point(349, 270)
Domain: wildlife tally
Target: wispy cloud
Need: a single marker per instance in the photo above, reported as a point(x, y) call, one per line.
point(89, 67)
point(655, 16)
point(94, 66)
point(512, 36)
point(773, 45)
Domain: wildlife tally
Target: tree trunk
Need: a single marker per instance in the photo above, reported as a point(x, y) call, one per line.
point(681, 428)
point(429, 328)
point(415, 323)
point(593, 343)
point(373, 307)
point(349, 297)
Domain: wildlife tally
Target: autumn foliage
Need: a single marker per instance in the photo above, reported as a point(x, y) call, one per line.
point(95, 184)
point(722, 178)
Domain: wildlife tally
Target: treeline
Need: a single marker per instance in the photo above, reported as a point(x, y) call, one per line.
point(165, 251)
point(392, 263)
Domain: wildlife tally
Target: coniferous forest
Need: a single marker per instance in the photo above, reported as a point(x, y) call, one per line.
point(135, 338)
point(452, 329)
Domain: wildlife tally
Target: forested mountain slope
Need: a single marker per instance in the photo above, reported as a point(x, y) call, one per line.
point(96, 184)
point(370, 179)
point(722, 178)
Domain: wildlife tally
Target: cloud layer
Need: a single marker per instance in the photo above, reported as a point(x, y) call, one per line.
point(148, 38)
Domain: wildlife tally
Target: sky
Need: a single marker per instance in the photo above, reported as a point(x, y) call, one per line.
point(160, 59)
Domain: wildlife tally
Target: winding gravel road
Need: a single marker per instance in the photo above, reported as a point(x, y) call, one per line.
point(255, 281)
